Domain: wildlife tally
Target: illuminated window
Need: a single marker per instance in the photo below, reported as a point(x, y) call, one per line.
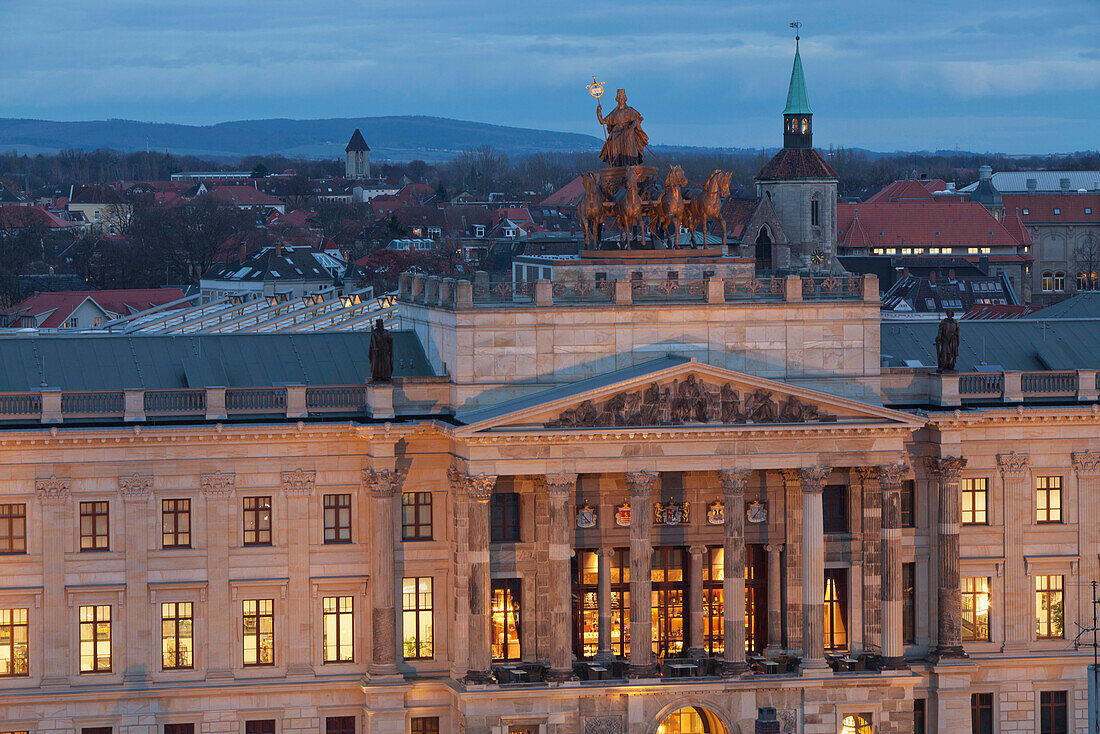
point(95, 639)
point(975, 608)
point(258, 627)
point(856, 724)
point(416, 516)
point(1057, 210)
point(974, 493)
point(506, 619)
point(416, 617)
point(981, 713)
point(14, 653)
point(1053, 712)
point(586, 609)
point(1048, 499)
point(94, 526)
point(339, 629)
point(836, 609)
point(714, 573)
point(504, 517)
point(175, 523)
point(1059, 281)
point(337, 518)
point(257, 521)
point(669, 590)
point(177, 637)
point(1048, 281)
point(13, 528)
point(1049, 618)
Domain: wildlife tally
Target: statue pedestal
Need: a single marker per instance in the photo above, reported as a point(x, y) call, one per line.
point(380, 399)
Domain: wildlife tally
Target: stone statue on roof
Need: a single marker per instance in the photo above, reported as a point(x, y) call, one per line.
point(947, 343)
point(380, 353)
point(626, 141)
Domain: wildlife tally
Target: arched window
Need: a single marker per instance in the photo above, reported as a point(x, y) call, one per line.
point(1059, 281)
point(1048, 281)
point(805, 124)
point(815, 211)
point(856, 724)
point(1088, 281)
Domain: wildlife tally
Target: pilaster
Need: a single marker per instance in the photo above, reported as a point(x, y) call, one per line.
point(640, 484)
point(946, 471)
point(217, 492)
point(476, 490)
point(381, 487)
point(1016, 481)
point(53, 494)
point(813, 570)
point(297, 488)
point(734, 482)
point(560, 490)
point(136, 492)
point(891, 477)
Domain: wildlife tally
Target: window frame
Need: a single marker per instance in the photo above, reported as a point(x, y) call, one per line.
point(257, 616)
point(337, 615)
point(968, 486)
point(13, 515)
point(908, 503)
point(175, 513)
point(418, 611)
point(1045, 490)
point(506, 620)
point(908, 603)
point(506, 527)
point(255, 513)
point(10, 622)
point(94, 534)
point(836, 609)
point(1046, 592)
point(95, 624)
point(835, 515)
point(1049, 708)
point(669, 596)
point(414, 502)
point(976, 592)
point(260, 726)
point(341, 531)
point(176, 619)
point(981, 712)
point(424, 725)
point(339, 724)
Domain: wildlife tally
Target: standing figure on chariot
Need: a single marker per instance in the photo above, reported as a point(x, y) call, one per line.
point(626, 141)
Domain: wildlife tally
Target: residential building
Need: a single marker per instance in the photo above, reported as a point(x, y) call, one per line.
point(83, 309)
point(278, 270)
point(1066, 231)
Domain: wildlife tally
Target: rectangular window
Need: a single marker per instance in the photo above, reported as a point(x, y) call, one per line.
point(714, 629)
point(13, 528)
point(257, 521)
point(95, 730)
point(339, 629)
point(981, 713)
point(919, 716)
point(95, 639)
point(93, 526)
point(179, 729)
point(908, 502)
point(1053, 712)
point(259, 631)
point(504, 517)
point(416, 516)
point(340, 725)
point(836, 609)
point(259, 726)
point(506, 619)
point(834, 505)
point(177, 636)
point(1049, 620)
point(1048, 499)
point(14, 655)
point(175, 523)
point(416, 617)
point(975, 608)
point(974, 492)
point(425, 725)
point(669, 592)
point(815, 217)
point(908, 603)
point(337, 518)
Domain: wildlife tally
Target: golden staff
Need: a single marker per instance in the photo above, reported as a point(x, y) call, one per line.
point(596, 90)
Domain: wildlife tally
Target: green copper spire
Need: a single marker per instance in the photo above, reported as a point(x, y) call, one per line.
point(798, 102)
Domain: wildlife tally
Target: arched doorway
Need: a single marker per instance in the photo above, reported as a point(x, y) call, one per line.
point(692, 720)
point(763, 249)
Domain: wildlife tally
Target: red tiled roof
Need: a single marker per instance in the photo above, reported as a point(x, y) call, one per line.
point(97, 195)
point(920, 224)
point(17, 216)
point(1040, 207)
point(792, 163)
point(243, 196)
point(1016, 228)
point(61, 305)
point(737, 213)
point(906, 190)
point(569, 194)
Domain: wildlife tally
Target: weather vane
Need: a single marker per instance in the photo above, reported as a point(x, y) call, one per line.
point(595, 88)
point(794, 24)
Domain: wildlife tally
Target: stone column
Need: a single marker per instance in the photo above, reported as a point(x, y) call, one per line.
point(136, 492)
point(792, 558)
point(382, 486)
point(733, 573)
point(603, 601)
point(222, 618)
point(891, 478)
point(53, 495)
point(641, 579)
point(1018, 513)
point(695, 602)
point(1087, 466)
point(560, 489)
point(478, 489)
point(946, 471)
point(775, 600)
point(871, 571)
point(297, 489)
point(813, 569)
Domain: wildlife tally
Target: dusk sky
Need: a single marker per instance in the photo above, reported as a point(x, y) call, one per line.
point(1017, 77)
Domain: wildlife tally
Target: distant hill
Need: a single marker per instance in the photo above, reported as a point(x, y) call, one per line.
point(396, 138)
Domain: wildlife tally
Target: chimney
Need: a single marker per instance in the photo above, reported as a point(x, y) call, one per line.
point(1032, 185)
point(767, 721)
point(932, 277)
point(278, 248)
point(951, 276)
point(1064, 184)
point(242, 251)
point(924, 177)
point(985, 173)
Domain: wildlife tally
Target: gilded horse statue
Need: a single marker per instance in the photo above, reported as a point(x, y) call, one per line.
point(627, 207)
point(707, 204)
point(666, 212)
point(590, 209)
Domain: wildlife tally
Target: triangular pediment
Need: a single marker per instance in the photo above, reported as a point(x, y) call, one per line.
point(677, 393)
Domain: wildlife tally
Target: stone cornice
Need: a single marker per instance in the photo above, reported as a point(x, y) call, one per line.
point(135, 487)
point(478, 487)
point(559, 486)
point(640, 483)
point(1086, 462)
point(299, 482)
point(218, 484)
point(1014, 464)
point(1046, 414)
point(686, 433)
point(380, 484)
point(946, 467)
point(52, 489)
point(892, 476)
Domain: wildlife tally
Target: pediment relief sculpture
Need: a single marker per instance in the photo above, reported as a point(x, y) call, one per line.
point(690, 401)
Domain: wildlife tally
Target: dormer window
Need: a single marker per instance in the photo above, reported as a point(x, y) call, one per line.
point(1057, 210)
point(479, 230)
point(1025, 211)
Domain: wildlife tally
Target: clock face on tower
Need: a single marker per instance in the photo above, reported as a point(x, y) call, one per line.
point(757, 512)
point(817, 257)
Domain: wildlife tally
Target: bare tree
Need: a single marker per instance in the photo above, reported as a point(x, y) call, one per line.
point(1086, 256)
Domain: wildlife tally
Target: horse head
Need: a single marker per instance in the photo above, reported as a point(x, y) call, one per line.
point(675, 177)
point(724, 183)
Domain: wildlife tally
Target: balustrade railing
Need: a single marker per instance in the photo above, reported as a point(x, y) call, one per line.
point(174, 402)
point(320, 399)
point(1049, 383)
point(583, 291)
point(981, 383)
point(832, 287)
point(688, 289)
point(17, 405)
point(754, 289)
point(255, 400)
point(504, 291)
point(107, 404)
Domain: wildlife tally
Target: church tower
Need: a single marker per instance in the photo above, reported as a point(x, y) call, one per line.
point(357, 157)
point(801, 185)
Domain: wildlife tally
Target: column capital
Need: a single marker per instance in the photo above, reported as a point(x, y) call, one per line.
point(218, 484)
point(380, 484)
point(135, 487)
point(1086, 462)
point(559, 486)
point(605, 552)
point(697, 550)
point(735, 480)
point(479, 487)
point(299, 483)
point(813, 478)
point(641, 482)
point(774, 547)
point(946, 467)
point(52, 489)
point(1014, 464)
point(892, 476)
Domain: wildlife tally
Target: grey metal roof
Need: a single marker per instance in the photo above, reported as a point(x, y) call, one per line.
point(1081, 306)
point(1015, 344)
point(92, 362)
point(574, 388)
point(1015, 182)
point(292, 264)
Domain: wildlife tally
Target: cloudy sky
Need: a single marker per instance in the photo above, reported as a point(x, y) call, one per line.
point(1013, 76)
